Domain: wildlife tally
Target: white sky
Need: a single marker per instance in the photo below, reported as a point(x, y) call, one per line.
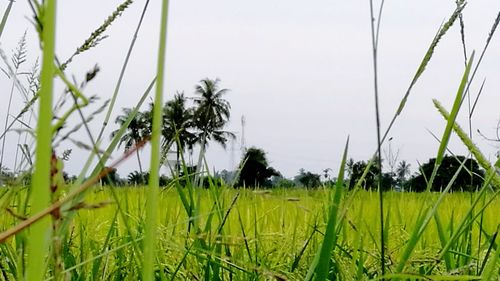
point(301, 74)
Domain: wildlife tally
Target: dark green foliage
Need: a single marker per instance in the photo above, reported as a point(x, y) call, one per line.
point(164, 180)
point(211, 112)
point(308, 179)
point(210, 181)
point(284, 183)
point(138, 178)
point(465, 181)
point(255, 170)
point(177, 120)
point(138, 130)
point(356, 169)
point(112, 178)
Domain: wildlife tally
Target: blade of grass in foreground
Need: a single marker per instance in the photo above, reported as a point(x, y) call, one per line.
point(421, 68)
point(5, 17)
point(491, 268)
point(472, 148)
point(321, 263)
point(419, 228)
point(152, 203)
point(122, 73)
point(451, 120)
point(38, 244)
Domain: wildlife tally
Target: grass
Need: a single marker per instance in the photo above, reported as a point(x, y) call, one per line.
point(82, 231)
point(38, 244)
point(152, 203)
point(274, 228)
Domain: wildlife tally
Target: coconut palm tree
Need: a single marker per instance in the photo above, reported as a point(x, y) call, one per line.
point(137, 130)
point(402, 171)
point(177, 120)
point(211, 114)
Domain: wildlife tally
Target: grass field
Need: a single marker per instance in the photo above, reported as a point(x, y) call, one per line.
point(50, 230)
point(262, 234)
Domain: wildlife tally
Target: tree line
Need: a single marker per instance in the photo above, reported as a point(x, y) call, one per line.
point(462, 173)
point(186, 126)
point(200, 119)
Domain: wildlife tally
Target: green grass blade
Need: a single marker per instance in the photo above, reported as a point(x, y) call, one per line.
point(245, 238)
point(122, 73)
point(5, 17)
point(152, 199)
point(491, 269)
point(481, 159)
point(329, 241)
point(490, 248)
point(298, 257)
point(422, 223)
point(409, 276)
point(423, 64)
point(451, 120)
point(444, 240)
point(38, 244)
point(97, 262)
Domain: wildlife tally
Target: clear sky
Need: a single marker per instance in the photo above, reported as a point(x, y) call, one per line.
point(300, 73)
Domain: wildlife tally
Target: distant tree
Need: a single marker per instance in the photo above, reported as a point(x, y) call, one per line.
point(357, 170)
point(177, 125)
point(255, 170)
point(211, 114)
point(137, 130)
point(164, 180)
point(284, 183)
point(227, 176)
point(402, 173)
point(212, 181)
point(465, 180)
point(308, 179)
point(370, 181)
point(138, 178)
point(349, 167)
point(112, 178)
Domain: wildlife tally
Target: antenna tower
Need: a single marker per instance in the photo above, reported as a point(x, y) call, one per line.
point(243, 144)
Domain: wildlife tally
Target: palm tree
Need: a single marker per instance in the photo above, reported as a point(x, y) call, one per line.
point(137, 130)
point(177, 119)
point(402, 171)
point(211, 115)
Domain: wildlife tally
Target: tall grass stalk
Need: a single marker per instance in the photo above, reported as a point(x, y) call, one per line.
point(122, 73)
point(5, 17)
point(331, 236)
point(18, 58)
point(425, 61)
point(423, 222)
point(152, 203)
point(375, 31)
point(38, 244)
point(402, 104)
point(481, 159)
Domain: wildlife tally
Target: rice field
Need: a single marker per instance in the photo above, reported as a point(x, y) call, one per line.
point(259, 234)
point(54, 229)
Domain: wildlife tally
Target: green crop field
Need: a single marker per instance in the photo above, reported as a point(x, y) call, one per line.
point(249, 235)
